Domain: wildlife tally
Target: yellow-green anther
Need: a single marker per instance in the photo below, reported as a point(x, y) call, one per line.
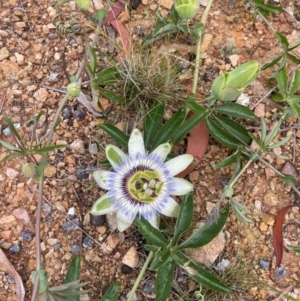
point(187, 9)
point(228, 86)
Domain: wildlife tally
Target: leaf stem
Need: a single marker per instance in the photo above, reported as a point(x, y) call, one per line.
point(140, 276)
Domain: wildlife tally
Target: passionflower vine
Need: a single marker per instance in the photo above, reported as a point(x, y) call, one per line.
point(141, 183)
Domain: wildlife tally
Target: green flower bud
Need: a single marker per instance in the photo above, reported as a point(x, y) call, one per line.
point(187, 9)
point(74, 89)
point(29, 170)
point(83, 4)
point(229, 86)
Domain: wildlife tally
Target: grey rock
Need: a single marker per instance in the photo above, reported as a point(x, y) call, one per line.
point(47, 208)
point(79, 114)
point(264, 264)
point(57, 246)
point(75, 249)
point(97, 220)
point(88, 243)
point(26, 235)
point(14, 249)
point(69, 226)
point(149, 288)
point(67, 113)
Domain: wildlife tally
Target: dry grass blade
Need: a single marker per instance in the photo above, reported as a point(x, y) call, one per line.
point(7, 266)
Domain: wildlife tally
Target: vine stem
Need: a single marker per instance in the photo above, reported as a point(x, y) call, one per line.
point(140, 276)
point(198, 45)
point(62, 104)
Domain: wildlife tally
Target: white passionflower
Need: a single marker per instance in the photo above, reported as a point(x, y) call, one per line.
point(141, 183)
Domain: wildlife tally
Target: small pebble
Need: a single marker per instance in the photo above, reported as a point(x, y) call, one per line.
point(138, 30)
point(75, 249)
point(71, 211)
point(126, 269)
point(26, 235)
point(93, 148)
point(88, 243)
point(47, 208)
point(79, 114)
point(10, 279)
point(67, 113)
point(149, 288)
point(264, 264)
point(223, 265)
point(14, 249)
point(82, 173)
point(7, 131)
point(57, 246)
point(97, 220)
point(69, 226)
point(51, 36)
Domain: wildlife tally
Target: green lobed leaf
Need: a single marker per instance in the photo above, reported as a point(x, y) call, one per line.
point(263, 129)
point(40, 168)
point(221, 135)
point(282, 81)
point(293, 58)
point(93, 58)
point(153, 122)
point(164, 280)
point(169, 129)
point(112, 293)
point(282, 40)
point(207, 232)
point(271, 63)
point(295, 45)
point(199, 274)
point(195, 107)
point(73, 272)
point(267, 8)
point(234, 128)
point(115, 133)
point(273, 133)
point(187, 126)
point(294, 248)
point(160, 259)
point(277, 97)
point(281, 142)
point(289, 179)
point(295, 82)
point(14, 131)
point(230, 160)
point(151, 234)
point(240, 211)
point(185, 217)
point(235, 110)
point(46, 149)
point(9, 146)
point(11, 156)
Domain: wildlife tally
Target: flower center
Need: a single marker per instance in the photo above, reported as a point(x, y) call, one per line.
point(144, 186)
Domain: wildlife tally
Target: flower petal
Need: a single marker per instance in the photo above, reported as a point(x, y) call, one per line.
point(102, 206)
point(114, 155)
point(161, 152)
point(169, 207)
point(178, 164)
point(123, 220)
point(177, 186)
point(101, 177)
point(136, 144)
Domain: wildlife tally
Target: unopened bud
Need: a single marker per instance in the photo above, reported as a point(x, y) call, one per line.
point(187, 9)
point(83, 4)
point(74, 89)
point(29, 170)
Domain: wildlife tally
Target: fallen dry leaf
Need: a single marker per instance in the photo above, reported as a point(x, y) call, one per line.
point(277, 234)
point(123, 33)
point(114, 12)
point(7, 266)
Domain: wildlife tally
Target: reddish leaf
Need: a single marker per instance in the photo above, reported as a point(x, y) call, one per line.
point(114, 12)
point(123, 33)
point(277, 234)
point(196, 146)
